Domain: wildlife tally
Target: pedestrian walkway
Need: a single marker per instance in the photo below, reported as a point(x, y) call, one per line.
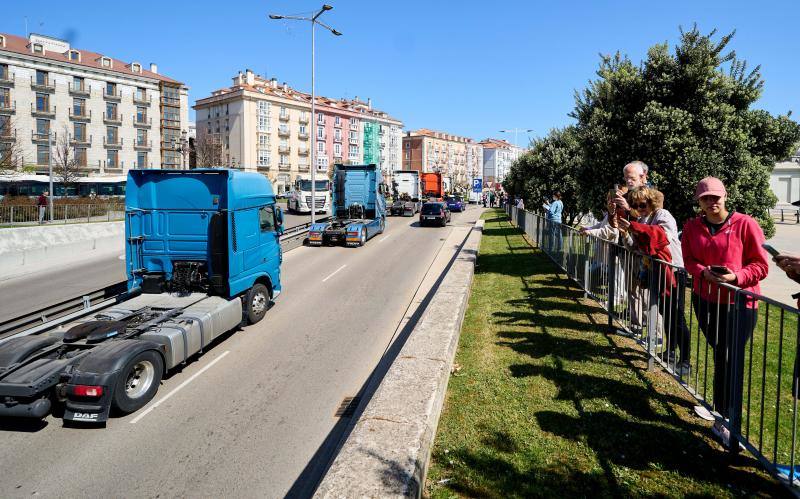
point(544, 401)
point(777, 286)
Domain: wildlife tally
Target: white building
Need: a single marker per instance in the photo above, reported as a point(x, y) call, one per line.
point(498, 156)
point(785, 181)
point(115, 115)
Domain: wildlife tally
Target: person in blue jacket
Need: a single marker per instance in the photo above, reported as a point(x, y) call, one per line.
point(553, 216)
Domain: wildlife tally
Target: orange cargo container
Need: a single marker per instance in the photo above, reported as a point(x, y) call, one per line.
point(432, 186)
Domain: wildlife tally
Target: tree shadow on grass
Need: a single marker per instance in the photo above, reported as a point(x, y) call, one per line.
point(538, 346)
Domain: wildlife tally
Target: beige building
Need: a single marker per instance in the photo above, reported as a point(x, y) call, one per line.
point(114, 115)
point(458, 159)
point(261, 125)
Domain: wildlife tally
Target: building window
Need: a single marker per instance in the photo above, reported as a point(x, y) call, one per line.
point(321, 147)
point(79, 107)
point(5, 98)
point(43, 103)
point(284, 159)
point(283, 114)
point(320, 118)
point(337, 121)
point(74, 55)
point(111, 89)
point(80, 156)
point(38, 48)
point(77, 83)
point(141, 159)
point(41, 77)
point(79, 132)
point(263, 141)
point(141, 137)
point(112, 134)
point(337, 134)
point(263, 123)
point(141, 114)
point(42, 154)
point(112, 158)
point(337, 150)
point(320, 132)
point(111, 110)
point(2, 41)
point(353, 152)
point(301, 129)
point(136, 67)
point(141, 94)
point(263, 157)
point(4, 72)
point(106, 62)
point(42, 128)
point(263, 107)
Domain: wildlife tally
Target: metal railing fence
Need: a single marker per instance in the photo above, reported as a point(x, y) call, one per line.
point(734, 351)
point(26, 215)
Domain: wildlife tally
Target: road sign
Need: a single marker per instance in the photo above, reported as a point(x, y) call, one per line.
point(477, 185)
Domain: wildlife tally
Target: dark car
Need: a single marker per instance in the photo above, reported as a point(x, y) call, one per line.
point(434, 213)
point(454, 203)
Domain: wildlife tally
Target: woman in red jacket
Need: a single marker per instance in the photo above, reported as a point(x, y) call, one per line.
point(722, 246)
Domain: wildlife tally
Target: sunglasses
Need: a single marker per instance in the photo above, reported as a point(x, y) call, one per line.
point(639, 206)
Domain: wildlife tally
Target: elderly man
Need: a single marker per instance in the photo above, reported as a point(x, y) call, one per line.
point(635, 175)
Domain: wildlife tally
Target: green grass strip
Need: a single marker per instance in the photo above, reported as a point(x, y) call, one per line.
point(545, 402)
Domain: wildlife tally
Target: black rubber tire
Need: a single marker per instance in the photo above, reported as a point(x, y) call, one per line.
point(362, 238)
point(253, 311)
point(120, 399)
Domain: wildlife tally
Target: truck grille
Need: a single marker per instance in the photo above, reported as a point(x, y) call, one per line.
point(319, 204)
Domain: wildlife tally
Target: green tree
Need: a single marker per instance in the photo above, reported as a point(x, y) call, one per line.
point(687, 115)
point(552, 164)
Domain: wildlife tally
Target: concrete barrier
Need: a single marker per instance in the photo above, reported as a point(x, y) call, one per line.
point(27, 249)
point(387, 451)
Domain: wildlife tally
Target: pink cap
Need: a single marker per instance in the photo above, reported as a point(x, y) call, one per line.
point(710, 186)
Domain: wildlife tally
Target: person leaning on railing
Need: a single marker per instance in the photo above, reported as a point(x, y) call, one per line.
point(723, 247)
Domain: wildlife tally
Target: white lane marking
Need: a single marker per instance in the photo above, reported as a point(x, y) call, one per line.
point(182, 385)
point(334, 272)
point(385, 238)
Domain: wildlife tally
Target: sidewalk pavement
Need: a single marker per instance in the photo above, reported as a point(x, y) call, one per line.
point(777, 286)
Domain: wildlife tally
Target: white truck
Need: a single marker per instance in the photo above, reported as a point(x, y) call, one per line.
point(299, 199)
point(406, 192)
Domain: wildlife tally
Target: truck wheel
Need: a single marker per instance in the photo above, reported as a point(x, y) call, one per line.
point(363, 238)
point(257, 303)
point(383, 225)
point(138, 382)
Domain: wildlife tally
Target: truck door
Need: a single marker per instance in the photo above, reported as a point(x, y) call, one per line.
point(269, 239)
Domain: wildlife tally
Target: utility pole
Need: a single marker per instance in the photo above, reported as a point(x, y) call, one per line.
point(314, 21)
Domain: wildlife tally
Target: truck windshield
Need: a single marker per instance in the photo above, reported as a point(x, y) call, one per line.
point(322, 185)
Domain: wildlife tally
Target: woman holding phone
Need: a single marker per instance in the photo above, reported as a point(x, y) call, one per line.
point(723, 247)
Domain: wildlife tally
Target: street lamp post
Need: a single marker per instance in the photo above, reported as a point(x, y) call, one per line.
point(314, 20)
point(50, 168)
point(516, 131)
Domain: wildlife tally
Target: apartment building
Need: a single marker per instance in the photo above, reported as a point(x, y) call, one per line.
point(458, 159)
point(498, 156)
point(261, 125)
point(114, 115)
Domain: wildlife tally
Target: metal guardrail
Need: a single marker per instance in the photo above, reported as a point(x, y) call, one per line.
point(52, 315)
point(26, 215)
point(734, 351)
point(783, 214)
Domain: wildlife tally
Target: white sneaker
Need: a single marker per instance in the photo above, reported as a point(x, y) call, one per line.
point(722, 433)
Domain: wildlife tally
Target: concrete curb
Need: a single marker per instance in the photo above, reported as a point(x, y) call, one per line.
point(387, 452)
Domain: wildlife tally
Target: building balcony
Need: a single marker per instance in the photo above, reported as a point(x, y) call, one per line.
point(44, 85)
point(283, 117)
point(303, 151)
point(284, 167)
point(81, 89)
point(113, 142)
point(6, 79)
point(82, 116)
point(302, 136)
point(171, 101)
point(284, 149)
point(45, 112)
point(321, 136)
point(283, 132)
point(112, 119)
point(115, 166)
point(353, 126)
point(303, 120)
point(8, 134)
point(142, 121)
point(171, 124)
point(7, 107)
point(302, 167)
point(337, 139)
point(114, 96)
point(40, 138)
point(80, 141)
point(143, 145)
point(142, 100)
point(353, 141)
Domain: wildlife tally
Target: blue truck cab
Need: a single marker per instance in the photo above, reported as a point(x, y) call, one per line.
point(359, 207)
point(206, 230)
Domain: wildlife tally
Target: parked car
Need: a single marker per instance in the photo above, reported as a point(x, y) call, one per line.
point(454, 203)
point(434, 213)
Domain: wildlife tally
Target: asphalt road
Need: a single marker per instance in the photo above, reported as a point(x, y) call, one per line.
point(40, 289)
point(247, 417)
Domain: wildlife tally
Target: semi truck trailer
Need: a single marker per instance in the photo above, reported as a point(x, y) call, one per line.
point(359, 208)
point(202, 256)
point(406, 191)
point(432, 186)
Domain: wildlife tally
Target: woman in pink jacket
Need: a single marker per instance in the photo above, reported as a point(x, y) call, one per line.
point(722, 246)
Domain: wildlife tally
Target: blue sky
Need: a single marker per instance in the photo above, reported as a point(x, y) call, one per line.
point(470, 68)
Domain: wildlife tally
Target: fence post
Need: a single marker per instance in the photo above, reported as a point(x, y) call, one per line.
point(652, 313)
point(586, 267)
point(782, 215)
point(735, 370)
point(12, 216)
point(611, 272)
point(88, 213)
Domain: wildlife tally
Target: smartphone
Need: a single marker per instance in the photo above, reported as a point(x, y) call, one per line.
point(623, 214)
point(770, 249)
point(719, 269)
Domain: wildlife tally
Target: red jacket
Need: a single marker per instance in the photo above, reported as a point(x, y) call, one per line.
point(652, 241)
point(737, 245)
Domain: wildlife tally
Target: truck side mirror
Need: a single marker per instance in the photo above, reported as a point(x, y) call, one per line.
point(279, 220)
